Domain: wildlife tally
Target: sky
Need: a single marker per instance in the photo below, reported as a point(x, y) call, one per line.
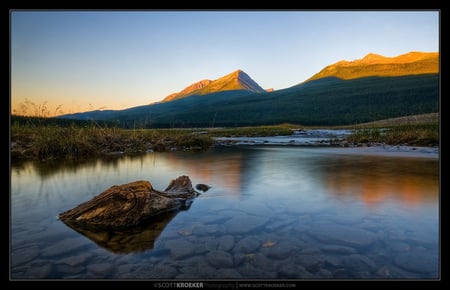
point(73, 61)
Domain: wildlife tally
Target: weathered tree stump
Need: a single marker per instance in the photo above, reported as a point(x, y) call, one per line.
point(128, 205)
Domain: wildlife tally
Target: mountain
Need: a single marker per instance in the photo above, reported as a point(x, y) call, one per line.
point(370, 89)
point(412, 63)
point(237, 80)
point(189, 90)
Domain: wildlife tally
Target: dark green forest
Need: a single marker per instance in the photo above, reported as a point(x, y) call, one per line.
point(324, 102)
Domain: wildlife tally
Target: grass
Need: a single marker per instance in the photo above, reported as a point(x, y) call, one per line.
point(274, 130)
point(431, 118)
point(49, 142)
point(36, 139)
point(44, 141)
point(415, 130)
point(409, 134)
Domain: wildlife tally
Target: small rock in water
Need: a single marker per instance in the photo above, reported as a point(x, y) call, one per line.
point(202, 187)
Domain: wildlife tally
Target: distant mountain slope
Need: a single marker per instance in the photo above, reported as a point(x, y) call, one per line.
point(370, 89)
point(326, 101)
point(412, 63)
point(237, 80)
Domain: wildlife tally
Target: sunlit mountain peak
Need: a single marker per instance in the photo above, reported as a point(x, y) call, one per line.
point(237, 80)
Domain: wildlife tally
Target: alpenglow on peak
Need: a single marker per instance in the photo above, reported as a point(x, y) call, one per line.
point(237, 80)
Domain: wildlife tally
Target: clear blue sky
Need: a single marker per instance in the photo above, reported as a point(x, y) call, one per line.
point(86, 60)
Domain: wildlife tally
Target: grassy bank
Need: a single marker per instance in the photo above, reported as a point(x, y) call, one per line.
point(257, 131)
point(54, 142)
point(44, 141)
point(415, 135)
point(416, 130)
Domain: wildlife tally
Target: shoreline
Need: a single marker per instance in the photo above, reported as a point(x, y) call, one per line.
point(390, 150)
point(114, 144)
point(337, 146)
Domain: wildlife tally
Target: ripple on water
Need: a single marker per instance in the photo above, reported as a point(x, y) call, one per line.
point(24, 255)
point(343, 235)
point(180, 249)
point(226, 243)
point(219, 259)
point(419, 261)
point(247, 245)
point(244, 223)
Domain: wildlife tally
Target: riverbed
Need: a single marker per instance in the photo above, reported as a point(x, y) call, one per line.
point(273, 212)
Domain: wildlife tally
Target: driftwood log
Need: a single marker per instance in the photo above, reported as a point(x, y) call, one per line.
point(128, 205)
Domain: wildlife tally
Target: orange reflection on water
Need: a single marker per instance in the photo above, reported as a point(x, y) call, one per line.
point(217, 172)
point(379, 182)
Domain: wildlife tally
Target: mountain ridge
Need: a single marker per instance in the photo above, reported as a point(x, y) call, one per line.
point(324, 102)
point(237, 80)
point(191, 89)
point(411, 63)
point(327, 99)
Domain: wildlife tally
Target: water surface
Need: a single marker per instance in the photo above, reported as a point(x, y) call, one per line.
point(273, 212)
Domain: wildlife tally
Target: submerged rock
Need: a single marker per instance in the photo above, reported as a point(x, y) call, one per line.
point(202, 187)
point(127, 205)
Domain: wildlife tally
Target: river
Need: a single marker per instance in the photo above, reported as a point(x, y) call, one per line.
point(273, 212)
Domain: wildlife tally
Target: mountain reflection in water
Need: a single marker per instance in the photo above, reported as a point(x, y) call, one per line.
point(374, 180)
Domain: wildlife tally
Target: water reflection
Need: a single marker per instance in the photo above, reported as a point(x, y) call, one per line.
point(219, 170)
point(71, 166)
point(272, 212)
point(371, 179)
point(375, 180)
point(136, 239)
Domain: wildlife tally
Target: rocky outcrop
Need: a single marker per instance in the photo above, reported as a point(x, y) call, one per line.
point(128, 205)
